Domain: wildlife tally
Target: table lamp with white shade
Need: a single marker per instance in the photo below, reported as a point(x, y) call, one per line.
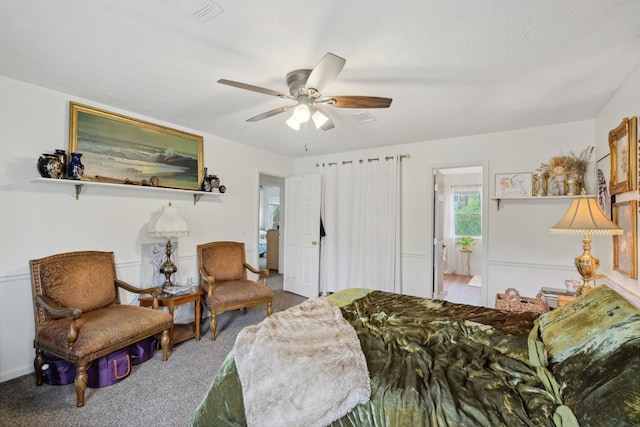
point(586, 217)
point(168, 224)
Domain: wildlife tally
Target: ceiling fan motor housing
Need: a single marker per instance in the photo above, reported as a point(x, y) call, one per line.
point(296, 81)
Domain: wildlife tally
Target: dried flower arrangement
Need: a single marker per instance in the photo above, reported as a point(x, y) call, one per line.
point(571, 164)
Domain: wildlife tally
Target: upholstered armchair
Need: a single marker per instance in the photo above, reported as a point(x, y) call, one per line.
point(224, 283)
point(78, 315)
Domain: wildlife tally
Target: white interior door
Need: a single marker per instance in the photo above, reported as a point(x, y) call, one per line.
point(438, 234)
point(302, 235)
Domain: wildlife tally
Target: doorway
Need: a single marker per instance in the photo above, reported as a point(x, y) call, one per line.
point(270, 222)
point(459, 211)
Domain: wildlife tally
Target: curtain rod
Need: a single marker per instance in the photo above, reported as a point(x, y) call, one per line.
point(370, 159)
point(466, 185)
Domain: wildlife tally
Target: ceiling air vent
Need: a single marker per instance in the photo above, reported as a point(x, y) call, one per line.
point(203, 12)
point(363, 117)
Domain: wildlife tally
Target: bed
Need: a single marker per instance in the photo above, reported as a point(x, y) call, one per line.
point(435, 363)
point(262, 242)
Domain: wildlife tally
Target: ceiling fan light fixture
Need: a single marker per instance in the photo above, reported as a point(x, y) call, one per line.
point(293, 123)
point(319, 119)
point(302, 113)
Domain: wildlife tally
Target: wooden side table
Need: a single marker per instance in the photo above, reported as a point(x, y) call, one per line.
point(179, 331)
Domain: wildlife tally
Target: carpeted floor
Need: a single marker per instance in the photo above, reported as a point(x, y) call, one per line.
point(155, 393)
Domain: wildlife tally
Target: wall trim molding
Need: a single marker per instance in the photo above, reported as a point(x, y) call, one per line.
point(531, 265)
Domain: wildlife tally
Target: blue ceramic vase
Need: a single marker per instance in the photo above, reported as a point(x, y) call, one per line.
point(76, 168)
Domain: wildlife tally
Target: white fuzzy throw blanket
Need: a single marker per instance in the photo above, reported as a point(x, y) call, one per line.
point(301, 367)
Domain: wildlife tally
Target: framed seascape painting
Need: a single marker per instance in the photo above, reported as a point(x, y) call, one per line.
point(514, 184)
point(623, 150)
point(121, 149)
point(625, 245)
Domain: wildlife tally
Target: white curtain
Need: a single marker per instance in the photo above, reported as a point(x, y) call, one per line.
point(361, 217)
point(450, 260)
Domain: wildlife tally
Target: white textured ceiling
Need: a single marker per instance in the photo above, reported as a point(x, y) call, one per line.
point(453, 68)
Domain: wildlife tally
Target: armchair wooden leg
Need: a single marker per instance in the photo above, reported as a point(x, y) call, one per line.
point(213, 325)
point(81, 383)
point(269, 309)
point(37, 365)
point(164, 343)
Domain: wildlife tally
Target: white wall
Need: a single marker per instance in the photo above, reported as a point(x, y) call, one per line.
point(41, 219)
point(626, 103)
point(520, 250)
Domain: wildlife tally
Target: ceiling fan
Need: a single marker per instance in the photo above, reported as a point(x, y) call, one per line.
point(306, 89)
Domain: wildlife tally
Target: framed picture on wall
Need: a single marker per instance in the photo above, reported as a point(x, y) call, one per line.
point(625, 246)
point(121, 149)
point(514, 184)
point(623, 149)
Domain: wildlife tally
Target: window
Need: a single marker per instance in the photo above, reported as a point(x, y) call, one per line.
point(467, 213)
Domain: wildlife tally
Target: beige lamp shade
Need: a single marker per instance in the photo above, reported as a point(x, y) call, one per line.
point(586, 217)
point(168, 224)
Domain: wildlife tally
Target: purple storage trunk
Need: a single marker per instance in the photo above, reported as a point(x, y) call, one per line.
point(142, 350)
point(56, 371)
point(109, 369)
point(104, 371)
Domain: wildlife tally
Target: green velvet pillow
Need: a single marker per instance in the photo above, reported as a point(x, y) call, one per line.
point(594, 350)
point(598, 318)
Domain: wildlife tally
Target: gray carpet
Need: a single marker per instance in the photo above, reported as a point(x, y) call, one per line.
point(155, 393)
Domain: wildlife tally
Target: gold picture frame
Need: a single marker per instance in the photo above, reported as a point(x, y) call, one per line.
point(625, 246)
point(623, 149)
point(120, 149)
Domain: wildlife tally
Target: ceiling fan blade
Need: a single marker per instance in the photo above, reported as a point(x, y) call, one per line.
point(357, 101)
point(270, 113)
point(254, 88)
point(325, 72)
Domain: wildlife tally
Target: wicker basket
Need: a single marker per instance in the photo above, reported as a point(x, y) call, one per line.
point(511, 300)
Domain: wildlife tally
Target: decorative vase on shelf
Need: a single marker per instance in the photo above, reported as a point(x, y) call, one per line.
point(560, 180)
point(206, 182)
point(539, 185)
point(76, 168)
point(62, 156)
point(49, 166)
point(571, 186)
point(552, 186)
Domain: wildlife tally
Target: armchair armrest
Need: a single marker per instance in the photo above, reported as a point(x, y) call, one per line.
point(154, 291)
point(48, 304)
point(263, 273)
point(72, 313)
point(207, 282)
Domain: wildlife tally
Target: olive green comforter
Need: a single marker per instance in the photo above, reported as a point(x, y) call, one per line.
point(434, 363)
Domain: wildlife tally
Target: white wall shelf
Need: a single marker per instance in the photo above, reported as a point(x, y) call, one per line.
point(80, 184)
point(537, 198)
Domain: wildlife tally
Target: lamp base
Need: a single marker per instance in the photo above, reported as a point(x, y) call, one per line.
point(168, 267)
point(587, 265)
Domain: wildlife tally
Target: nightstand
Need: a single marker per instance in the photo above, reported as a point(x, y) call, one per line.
point(556, 297)
point(179, 332)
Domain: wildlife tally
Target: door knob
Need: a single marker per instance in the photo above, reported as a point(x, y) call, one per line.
point(314, 243)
